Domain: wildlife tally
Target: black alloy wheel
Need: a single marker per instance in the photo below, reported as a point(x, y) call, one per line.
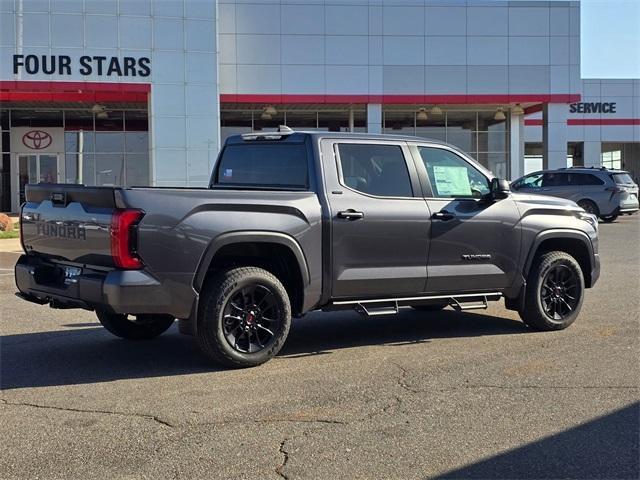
point(252, 318)
point(554, 292)
point(244, 317)
point(560, 292)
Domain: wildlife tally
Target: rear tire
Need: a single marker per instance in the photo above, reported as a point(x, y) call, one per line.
point(143, 327)
point(245, 317)
point(589, 207)
point(554, 292)
point(609, 218)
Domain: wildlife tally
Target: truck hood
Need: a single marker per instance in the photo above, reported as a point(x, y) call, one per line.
point(529, 201)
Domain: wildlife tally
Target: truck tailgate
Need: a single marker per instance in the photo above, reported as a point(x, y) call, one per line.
point(69, 223)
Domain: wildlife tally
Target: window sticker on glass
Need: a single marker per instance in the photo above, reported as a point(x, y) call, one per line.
point(451, 181)
point(228, 173)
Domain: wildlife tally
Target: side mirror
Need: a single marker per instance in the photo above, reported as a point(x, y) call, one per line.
point(499, 188)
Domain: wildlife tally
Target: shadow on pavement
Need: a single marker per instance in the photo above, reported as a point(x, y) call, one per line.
point(89, 355)
point(606, 447)
point(321, 332)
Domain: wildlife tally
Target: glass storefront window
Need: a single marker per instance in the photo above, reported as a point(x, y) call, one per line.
point(110, 121)
point(109, 169)
point(87, 167)
point(477, 133)
point(109, 142)
point(338, 120)
point(80, 141)
point(136, 142)
point(136, 121)
point(33, 118)
point(492, 141)
point(71, 168)
point(494, 161)
point(78, 120)
point(137, 169)
point(399, 123)
point(434, 127)
point(612, 159)
point(4, 119)
point(487, 122)
point(234, 122)
point(302, 120)
point(462, 138)
point(268, 123)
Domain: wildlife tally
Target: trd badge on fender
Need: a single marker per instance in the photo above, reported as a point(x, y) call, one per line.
point(477, 256)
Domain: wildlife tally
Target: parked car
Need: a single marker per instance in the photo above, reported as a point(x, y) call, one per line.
point(604, 193)
point(294, 222)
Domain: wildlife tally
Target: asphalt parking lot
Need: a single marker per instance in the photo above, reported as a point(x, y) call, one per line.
point(446, 395)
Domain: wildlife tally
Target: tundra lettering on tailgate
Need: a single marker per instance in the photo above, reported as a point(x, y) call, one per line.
point(50, 229)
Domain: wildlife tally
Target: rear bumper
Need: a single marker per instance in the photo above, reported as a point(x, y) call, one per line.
point(628, 210)
point(117, 291)
point(629, 204)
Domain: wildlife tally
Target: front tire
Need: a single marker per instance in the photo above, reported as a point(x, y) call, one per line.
point(140, 327)
point(554, 292)
point(589, 207)
point(245, 317)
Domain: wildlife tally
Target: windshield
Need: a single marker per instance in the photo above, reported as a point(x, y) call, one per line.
point(263, 165)
point(533, 180)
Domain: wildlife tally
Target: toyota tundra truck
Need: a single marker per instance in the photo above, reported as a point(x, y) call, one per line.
point(298, 221)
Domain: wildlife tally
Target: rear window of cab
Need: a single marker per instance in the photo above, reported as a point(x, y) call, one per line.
point(270, 165)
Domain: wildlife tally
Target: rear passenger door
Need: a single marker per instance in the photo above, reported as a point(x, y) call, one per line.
point(379, 220)
point(588, 186)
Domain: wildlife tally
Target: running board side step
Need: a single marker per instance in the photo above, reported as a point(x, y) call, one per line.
point(391, 306)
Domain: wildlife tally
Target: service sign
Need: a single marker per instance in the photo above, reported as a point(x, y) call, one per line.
point(593, 107)
point(85, 65)
point(37, 140)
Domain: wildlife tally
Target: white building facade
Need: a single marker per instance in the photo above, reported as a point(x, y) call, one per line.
point(143, 92)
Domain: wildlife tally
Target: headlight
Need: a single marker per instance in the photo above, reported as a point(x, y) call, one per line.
point(589, 217)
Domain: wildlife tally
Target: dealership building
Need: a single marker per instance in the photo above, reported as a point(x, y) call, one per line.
point(144, 92)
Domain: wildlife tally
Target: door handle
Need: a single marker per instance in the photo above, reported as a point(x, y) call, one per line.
point(350, 214)
point(443, 215)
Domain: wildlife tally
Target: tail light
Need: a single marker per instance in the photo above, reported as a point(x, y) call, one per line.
point(124, 238)
point(617, 189)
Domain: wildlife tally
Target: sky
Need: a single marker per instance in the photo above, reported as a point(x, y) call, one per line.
point(610, 38)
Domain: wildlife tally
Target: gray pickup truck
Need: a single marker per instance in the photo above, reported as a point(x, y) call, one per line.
point(299, 221)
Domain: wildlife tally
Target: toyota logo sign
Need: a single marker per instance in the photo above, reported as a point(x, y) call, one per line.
point(36, 139)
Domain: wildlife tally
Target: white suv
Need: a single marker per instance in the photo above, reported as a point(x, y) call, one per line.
point(600, 191)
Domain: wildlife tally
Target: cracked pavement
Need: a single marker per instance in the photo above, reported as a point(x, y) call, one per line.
point(419, 395)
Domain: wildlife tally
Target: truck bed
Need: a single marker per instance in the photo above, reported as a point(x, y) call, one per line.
point(71, 225)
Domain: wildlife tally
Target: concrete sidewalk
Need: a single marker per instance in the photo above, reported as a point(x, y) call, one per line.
point(10, 245)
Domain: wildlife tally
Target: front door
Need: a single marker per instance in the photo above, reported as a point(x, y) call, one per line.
point(379, 220)
point(37, 168)
point(475, 242)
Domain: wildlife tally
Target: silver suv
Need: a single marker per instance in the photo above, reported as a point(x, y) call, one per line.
point(600, 191)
